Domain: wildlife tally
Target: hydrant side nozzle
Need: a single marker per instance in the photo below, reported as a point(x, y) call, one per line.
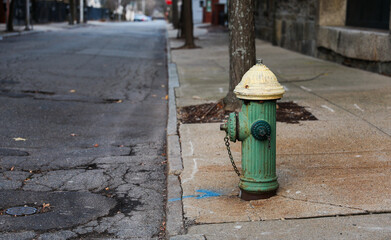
point(223, 127)
point(229, 126)
point(232, 126)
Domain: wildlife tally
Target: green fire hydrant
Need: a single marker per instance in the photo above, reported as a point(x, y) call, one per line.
point(255, 127)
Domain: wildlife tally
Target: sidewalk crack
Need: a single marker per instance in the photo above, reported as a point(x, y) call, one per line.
point(325, 203)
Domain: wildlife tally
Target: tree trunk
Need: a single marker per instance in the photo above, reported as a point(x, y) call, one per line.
point(71, 12)
point(2, 13)
point(77, 7)
point(241, 46)
point(10, 16)
point(74, 10)
point(85, 12)
point(175, 14)
point(27, 21)
point(188, 24)
point(181, 23)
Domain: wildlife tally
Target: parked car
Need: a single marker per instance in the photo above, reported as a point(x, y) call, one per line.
point(141, 18)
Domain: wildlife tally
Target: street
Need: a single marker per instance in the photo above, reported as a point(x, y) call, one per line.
point(82, 137)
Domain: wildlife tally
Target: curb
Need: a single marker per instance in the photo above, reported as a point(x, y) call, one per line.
point(174, 209)
point(32, 31)
point(19, 33)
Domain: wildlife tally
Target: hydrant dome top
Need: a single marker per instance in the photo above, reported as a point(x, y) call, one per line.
point(259, 83)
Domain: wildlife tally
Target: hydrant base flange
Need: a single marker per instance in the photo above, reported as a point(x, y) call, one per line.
point(248, 196)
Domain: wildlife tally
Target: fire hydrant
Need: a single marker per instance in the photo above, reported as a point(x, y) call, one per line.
point(255, 127)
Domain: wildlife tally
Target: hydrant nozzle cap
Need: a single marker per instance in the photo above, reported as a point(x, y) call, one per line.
point(259, 83)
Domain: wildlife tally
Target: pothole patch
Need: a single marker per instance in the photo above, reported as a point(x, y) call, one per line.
point(28, 209)
point(61, 209)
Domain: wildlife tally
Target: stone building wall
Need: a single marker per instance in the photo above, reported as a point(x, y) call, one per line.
point(317, 28)
point(264, 20)
point(288, 23)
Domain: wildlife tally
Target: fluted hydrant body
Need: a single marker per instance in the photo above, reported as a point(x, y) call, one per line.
point(255, 127)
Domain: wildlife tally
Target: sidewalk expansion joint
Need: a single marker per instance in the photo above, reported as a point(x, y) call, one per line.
point(342, 108)
point(299, 80)
point(328, 153)
point(324, 203)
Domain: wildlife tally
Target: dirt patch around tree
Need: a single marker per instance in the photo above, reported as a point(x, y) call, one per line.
point(288, 112)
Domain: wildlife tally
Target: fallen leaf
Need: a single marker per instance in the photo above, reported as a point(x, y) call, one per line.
point(20, 139)
point(96, 145)
point(119, 101)
point(73, 135)
point(153, 95)
point(45, 207)
point(107, 188)
point(12, 169)
point(166, 97)
point(72, 91)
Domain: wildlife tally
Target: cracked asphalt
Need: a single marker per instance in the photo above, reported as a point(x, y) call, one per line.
point(83, 114)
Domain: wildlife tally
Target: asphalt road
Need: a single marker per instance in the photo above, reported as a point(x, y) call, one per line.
point(82, 138)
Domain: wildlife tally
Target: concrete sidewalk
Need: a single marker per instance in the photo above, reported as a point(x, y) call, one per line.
point(333, 172)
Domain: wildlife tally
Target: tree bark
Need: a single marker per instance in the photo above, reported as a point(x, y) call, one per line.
point(175, 19)
point(10, 16)
point(241, 46)
point(188, 24)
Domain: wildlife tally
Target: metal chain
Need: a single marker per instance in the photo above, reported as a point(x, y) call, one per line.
point(226, 140)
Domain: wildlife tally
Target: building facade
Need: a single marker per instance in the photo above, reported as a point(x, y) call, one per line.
point(351, 32)
point(45, 11)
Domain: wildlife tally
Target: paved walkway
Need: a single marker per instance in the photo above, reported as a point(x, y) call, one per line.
point(333, 172)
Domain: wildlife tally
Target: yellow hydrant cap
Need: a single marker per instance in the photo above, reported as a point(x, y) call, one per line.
point(259, 83)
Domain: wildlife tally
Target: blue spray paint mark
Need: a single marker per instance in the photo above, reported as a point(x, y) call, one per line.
point(204, 194)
